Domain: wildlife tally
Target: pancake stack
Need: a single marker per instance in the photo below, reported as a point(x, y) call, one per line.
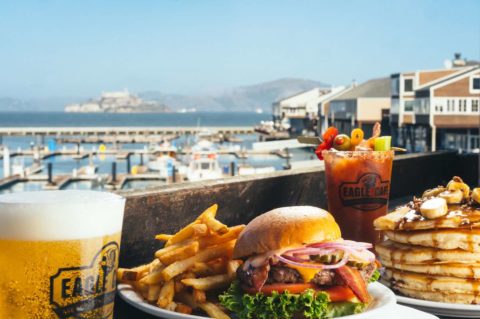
point(433, 246)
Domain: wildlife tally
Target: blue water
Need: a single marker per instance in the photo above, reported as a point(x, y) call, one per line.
point(59, 119)
point(65, 164)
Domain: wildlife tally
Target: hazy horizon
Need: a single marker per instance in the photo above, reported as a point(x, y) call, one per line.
point(79, 49)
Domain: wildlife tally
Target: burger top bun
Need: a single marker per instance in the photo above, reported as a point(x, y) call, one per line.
point(286, 227)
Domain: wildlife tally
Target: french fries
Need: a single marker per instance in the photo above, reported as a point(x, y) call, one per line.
point(180, 253)
point(209, 219)
point(166, 294)
point(213, 310)
point(209, 283)
point(199, 295)
point(183, 308)
point(153, 293)
point(195, 260)
point(164, 237)
point(232, 267)
point(209, 253)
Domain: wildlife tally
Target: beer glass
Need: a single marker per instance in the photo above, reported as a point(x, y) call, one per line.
point(59, 253)
point(358, 187)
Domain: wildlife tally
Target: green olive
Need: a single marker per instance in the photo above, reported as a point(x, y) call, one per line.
point(341, 142)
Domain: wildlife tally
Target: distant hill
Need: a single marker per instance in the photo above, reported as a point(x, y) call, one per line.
point(244, 98)
point(8, 104)
point(239, 99)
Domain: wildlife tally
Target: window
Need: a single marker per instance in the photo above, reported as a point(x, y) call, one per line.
point(448, 105)
point(394, 86)
point(464, 105)
point(476, 83)
point(474, 105)
point(408, 106)
point(408, 85)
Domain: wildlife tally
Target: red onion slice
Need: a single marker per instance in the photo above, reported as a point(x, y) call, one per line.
point(287, 260)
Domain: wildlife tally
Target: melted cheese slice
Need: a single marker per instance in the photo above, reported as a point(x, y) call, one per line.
point(306, 273)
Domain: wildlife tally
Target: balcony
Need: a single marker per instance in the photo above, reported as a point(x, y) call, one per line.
point(167, 209)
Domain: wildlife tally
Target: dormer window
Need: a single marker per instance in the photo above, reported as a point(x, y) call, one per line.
point(408, 85)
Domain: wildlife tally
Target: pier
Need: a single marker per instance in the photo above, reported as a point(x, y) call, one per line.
point(122, 131)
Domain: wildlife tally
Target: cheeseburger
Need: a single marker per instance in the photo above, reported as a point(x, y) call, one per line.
point(297, 265)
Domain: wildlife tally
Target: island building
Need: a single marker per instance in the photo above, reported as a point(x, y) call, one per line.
point(437, 109)
point(303, 110)
point(121, 101)
point(361, 106)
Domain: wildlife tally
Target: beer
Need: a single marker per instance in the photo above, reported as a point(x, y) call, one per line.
point(358, 187)
point(59, 253)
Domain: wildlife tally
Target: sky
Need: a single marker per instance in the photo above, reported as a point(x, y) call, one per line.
point(81, 48)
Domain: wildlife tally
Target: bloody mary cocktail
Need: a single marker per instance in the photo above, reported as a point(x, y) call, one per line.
point(358, 186)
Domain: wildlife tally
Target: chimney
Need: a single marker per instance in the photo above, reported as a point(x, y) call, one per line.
point(458, 61)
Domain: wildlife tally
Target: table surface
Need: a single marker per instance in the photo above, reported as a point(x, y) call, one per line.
point(125, 311)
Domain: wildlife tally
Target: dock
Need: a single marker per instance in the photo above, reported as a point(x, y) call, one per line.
point(122, 131)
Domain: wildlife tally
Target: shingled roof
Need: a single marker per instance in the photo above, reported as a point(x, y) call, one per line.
point(372, 88)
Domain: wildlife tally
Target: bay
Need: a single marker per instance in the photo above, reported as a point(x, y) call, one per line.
point(61, 119)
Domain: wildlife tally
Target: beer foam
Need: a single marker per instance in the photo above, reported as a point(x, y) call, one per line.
point(60, 215)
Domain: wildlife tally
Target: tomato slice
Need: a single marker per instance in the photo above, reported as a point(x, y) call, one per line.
point(340, 293)
point(354, 280)
point(337, 293)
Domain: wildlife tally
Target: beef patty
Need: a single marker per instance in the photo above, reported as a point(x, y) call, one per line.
point(279, 273)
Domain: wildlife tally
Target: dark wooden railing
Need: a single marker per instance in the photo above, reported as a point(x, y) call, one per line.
point(241, 198)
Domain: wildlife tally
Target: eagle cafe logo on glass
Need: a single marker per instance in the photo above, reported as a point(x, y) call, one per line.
point(81, 292)
point(368, 193)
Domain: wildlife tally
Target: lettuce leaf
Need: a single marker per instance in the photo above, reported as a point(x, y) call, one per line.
point(339, 309)
point(375, 276)
point(285, 305)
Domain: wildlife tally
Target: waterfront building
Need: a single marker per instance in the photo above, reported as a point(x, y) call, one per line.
point(437, 109)
point(303, 110)
point(361, 106)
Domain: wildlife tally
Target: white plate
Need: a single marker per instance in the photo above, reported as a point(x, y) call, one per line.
point(440, 308)
point(402, 312)
point(383, 299)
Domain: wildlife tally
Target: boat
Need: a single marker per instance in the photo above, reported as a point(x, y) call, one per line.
point(165, 160)
point(204, 162)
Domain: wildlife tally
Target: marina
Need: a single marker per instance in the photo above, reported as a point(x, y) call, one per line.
point(136, 157)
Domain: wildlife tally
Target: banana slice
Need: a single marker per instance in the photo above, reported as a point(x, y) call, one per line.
point(434, 208)
point(476, 195)
point(433, 192)
point(452, 197)
point(457, 184)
